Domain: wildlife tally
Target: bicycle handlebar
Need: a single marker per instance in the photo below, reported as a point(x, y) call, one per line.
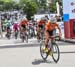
point(54, 37)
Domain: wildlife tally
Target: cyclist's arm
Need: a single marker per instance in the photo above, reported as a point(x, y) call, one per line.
point(59, 30)
point(46, 27)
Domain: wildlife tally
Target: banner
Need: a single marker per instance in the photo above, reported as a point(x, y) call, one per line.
point(68, 9)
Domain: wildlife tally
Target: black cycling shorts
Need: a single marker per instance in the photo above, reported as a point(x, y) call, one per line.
point(50, 32)
point(41, 26)
point(24, 27)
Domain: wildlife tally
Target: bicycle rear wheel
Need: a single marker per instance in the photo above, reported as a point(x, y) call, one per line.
point(16, 35)
point(56, 53)
point(44, 55)
point(26, 38)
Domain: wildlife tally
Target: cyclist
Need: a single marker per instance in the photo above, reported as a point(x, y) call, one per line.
point(41, 26)
point(23, 26)
point(49, 28)
point(15, 26)
point(15, 29)
point(8, 30)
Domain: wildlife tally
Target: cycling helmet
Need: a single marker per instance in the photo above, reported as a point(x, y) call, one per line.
point(53, 20)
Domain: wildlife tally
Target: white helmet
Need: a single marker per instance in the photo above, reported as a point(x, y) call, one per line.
point(24, 18)
point(53, 20)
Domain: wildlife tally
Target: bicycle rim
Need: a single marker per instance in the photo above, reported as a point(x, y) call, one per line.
point(44, 55)
point(56, 53)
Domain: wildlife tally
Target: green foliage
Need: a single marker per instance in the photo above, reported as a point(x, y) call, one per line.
point(41, 3)
point(16, 6)
point(52, 7)
point(1, 2)
point(6, 5)
point(29, 7)
point(1, 5)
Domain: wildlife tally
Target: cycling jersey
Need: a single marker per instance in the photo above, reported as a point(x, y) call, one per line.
point(49, 26)
point(24, 22)
point(41, 22)
point(15, 26)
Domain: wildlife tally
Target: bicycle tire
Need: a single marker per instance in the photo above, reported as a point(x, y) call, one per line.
point(58, 52)
point(16, 35)
point(22, 39)
point(43, 44)
point(26, 38)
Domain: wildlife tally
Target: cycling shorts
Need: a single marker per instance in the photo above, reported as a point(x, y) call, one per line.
point(41, 26)
point(50, 32)
point(23, 26)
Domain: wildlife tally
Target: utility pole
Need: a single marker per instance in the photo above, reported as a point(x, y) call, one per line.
point(58, 8)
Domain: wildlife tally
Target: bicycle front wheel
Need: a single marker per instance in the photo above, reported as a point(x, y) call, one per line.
point(44, 55)
point(56, 53)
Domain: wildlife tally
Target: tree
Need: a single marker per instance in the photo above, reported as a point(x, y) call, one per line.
point(41, 4)
point(29, 7)
point(52, 7)
point(1, 5)
point(7, 0)
point(8, 5)
point(1, 2)
point(16, 6)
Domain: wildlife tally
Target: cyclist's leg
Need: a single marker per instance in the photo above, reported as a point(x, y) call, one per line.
point(22, 31)
point(41, 31)
point(38, 32)
point(47, 37)
point(46, 40)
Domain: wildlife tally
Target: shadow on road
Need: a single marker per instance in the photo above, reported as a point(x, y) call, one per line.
point(39, 61)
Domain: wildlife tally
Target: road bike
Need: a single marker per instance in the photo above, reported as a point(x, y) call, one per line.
point(24, 36)
point(16, 34)
point(53, 49)
point(40, 35)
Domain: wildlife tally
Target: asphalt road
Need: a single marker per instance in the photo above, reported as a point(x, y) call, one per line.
point(28, 55)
